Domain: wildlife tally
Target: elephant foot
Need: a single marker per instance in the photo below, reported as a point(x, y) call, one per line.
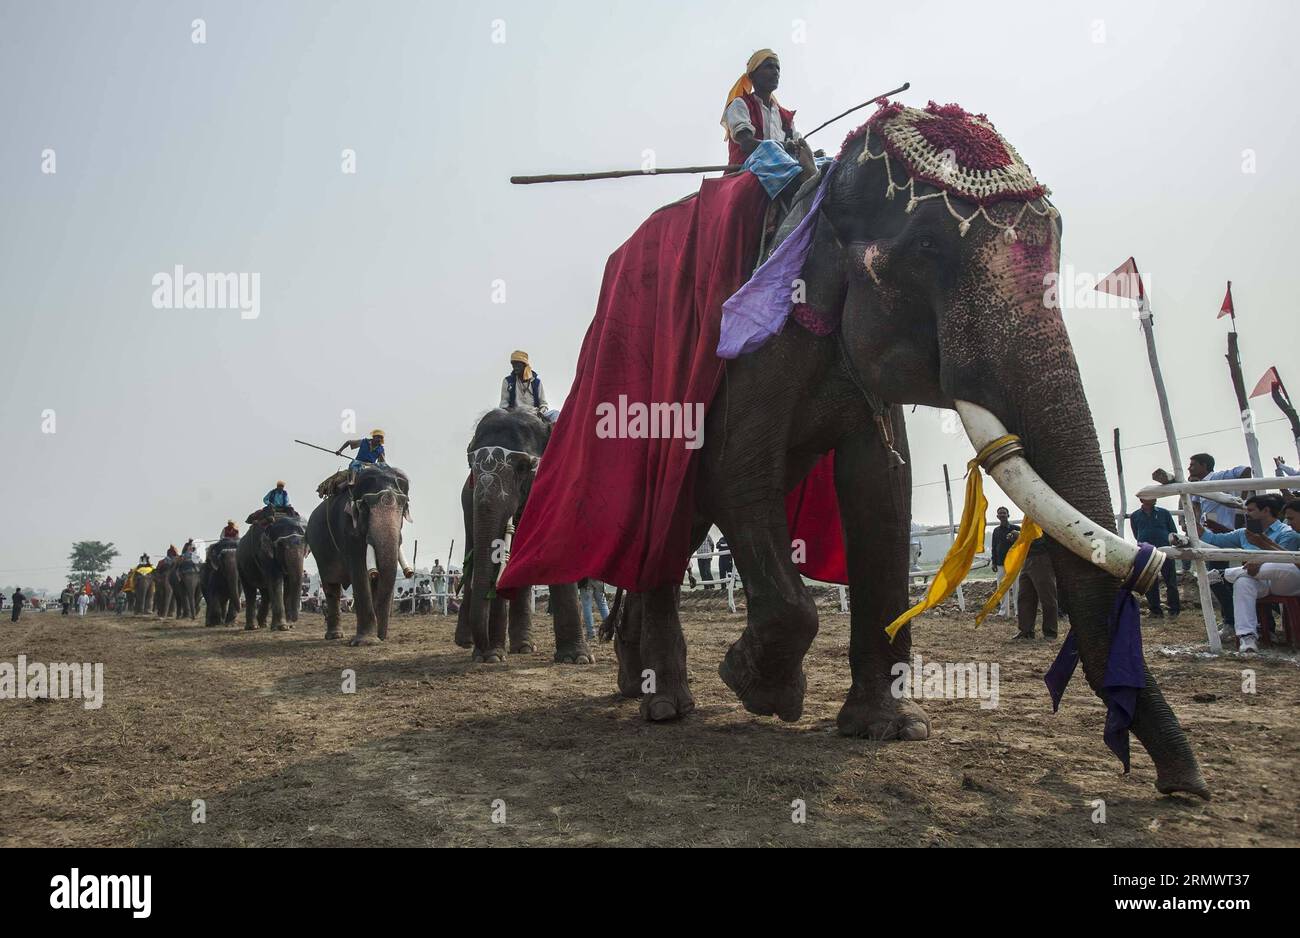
point(333, 634)
point(251, 628)
point(1187, 780)
point(491, 656)
point(358, 641)
point(574, 653)
point(882, 716)
point(667, 703)
point(282, 627)
point(523, 648)
point(780, 697)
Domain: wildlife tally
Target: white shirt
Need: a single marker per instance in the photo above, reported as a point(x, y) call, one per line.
point(1221, 513)
point(737, 118)
point(523, 393)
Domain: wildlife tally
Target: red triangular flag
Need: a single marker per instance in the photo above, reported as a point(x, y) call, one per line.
point(1123, 281)
point(1226, 309)
point(1267, 383)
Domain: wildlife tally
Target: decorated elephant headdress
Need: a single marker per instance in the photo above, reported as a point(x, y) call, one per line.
point(958, 153)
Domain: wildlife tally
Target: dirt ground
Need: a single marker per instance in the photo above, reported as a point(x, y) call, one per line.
point(256, 726)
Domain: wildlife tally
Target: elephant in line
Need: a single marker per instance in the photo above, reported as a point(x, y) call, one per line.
point(142, 589)
point(270, 558)
point(922, 311)
point(503, 457)
point(360, 519)
point(220, 582)
point(164, 599)
point(187, 585)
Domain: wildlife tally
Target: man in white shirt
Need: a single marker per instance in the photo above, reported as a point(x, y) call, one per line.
point(523, 386)
point(752, 113)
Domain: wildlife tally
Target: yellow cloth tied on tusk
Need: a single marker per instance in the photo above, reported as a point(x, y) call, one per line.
point(1015, 560)
point(968, 543)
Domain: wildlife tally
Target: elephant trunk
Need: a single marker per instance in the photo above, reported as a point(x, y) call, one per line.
point(1071, 501)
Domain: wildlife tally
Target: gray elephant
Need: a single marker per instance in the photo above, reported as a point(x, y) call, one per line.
point(360, 517)
point(187, 586)
point(926, 280)
point(164, 598)
point(142, 588)
point(220, 581)
point(270, 558)
point(503, 458)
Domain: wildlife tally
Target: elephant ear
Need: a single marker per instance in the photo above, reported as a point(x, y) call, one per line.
point(820, 303)
point(267, 545)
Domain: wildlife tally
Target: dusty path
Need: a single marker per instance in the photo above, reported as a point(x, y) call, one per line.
point(256, 726)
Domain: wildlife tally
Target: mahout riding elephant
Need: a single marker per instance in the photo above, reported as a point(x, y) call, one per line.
point(220, 581)
point(270, 560)
point(361, 517)
point(503, 458)
point(927, 280)
point(187, 584)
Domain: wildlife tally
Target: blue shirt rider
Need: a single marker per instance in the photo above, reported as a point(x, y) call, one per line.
point(370, 450)
point(278, 497)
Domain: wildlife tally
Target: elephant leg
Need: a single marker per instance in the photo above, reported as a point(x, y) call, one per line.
point(764, 667)
point(278, 623)
point(570, 639)
point(496, 633)
point(250, 608)
point(627, 645)
point(876, 515)
point(521, 624)
point(363, 602)
point(333, 592)
point(663, 657)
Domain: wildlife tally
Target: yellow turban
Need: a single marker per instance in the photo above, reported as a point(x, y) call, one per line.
point(743, 85)
point(521, 356)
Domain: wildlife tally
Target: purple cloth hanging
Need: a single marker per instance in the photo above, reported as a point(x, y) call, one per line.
point(1125, 669)
point(759, 309)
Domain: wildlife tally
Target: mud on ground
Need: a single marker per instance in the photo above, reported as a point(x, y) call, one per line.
point(255, 725)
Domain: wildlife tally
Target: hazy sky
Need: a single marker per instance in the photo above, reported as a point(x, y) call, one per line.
point(377, 286)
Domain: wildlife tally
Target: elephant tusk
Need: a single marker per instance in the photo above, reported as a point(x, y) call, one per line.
point(1067, 526)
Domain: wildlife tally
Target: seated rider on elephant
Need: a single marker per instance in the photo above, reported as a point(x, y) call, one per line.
point(230, 531)
point(274, 502)
point(523, 388)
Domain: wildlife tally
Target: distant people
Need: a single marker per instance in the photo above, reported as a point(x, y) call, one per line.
point(1037, 588)
point(230, 531)
point(705, 562)
point(724, 558)
point(523, 386)
point(83, 601)
point(1154, 525)
point(1263, 531)
point(190, 553)
point(18, 600)
point(592, 590)
point(1218, 517)
point(1004, 535)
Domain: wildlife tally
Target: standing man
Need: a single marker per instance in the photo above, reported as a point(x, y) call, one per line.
point(705, 561)
point(724, 558)
point(523, 386)
point(751, 113)
point(1155, 526)
point(1037, 587)
point(1003, 538)
point(1218, 518)
point(83, 600)
point(18, 599)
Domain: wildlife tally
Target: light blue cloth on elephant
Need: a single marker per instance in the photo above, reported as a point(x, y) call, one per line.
point(759, 309)
point(773, 166)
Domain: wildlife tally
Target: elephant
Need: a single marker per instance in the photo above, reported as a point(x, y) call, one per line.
point(164, 598)
point(941, 299)
point(220, 582)
point(503, 457)
point(142, 590)
point(188, 587)
point(360, 518)
point(270, 558)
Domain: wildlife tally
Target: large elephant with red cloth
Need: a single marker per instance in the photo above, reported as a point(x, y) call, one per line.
point(923, 264)
point(503, 455)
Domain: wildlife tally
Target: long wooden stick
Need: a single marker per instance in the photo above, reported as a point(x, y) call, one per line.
point(683, 170)
point(619, 174)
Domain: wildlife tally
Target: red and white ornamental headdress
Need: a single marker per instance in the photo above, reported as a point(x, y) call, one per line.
point(961, 154)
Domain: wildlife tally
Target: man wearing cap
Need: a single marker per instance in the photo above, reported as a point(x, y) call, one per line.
point(752, 114)
point(523, 386)
point(369, 450)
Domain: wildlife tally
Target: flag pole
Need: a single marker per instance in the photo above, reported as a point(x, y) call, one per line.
point(1239, 386)
point(952, 533)
point(1189, 514)
point(1123, 492)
